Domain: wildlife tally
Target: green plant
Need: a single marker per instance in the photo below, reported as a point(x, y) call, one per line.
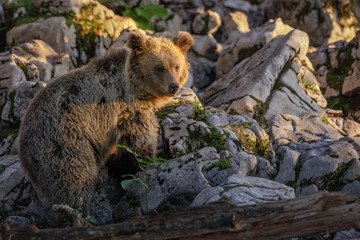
point(94, 24)
point(325, 120)
point(143, 165)
point(201, 112)
point(247, 52)
point(221, 165)
point(260, 147)
point(198, 139)
point(310, 86)
point(143, 13)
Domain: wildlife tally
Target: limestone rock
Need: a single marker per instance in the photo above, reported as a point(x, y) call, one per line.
point(15, 107)
point(289, 159)
point(239, 5)
point(172, 23)
point(26, 69)
point(188, 128)
point(17, 222)
point(53, 31)
point(206, 22)
point(184, 96)
point(64, 39)
point(322, 20)
point(235, 24)
point(348, 234)
point(281, 64)
point(63, 5)
point(11, 74)
point(203, 72)
point(206, 46)
point(11, 174)
point(244, 191)
point(337, 69)
point(313, 154)
point(39, 61)
point(248, 43)
point(352, 189)
point(177, 184)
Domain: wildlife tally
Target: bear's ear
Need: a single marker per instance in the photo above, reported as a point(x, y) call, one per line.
point(184, 41)
point(137, 42)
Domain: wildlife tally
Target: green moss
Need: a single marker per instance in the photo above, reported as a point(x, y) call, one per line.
point(163, 112)
point(335, 76)
point(28, 52)
point(303, 12)
point(325, 120)
point(23, 67)
point(259, 112)
point(310, 86)
point(7, 132)
point(206, 27)
point(347, 104)
point(198, 139)
point(201, 113)
point(247, 52)
point(175, 128)
point(332, 181)
point(260, 147)
point(221, 165)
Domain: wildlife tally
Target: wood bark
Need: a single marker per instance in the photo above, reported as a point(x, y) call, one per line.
point(319, 213)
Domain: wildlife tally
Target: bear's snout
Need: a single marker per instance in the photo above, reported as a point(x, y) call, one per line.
point(173, 87)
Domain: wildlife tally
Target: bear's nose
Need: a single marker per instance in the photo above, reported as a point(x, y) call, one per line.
point(173, 88)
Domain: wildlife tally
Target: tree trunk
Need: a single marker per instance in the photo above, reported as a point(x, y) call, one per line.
point(319, 213)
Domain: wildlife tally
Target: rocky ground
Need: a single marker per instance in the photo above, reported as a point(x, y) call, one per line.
point(271, 109)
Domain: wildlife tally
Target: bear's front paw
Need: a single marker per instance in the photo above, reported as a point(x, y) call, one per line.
point(74, 215)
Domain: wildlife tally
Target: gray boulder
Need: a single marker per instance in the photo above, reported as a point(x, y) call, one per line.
point(312, 155)
point(244, 191)
point(279, 74)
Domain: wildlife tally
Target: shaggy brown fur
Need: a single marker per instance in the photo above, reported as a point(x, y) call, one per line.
point(71, 127)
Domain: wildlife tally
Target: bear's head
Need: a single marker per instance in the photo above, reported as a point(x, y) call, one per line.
point(157, 67)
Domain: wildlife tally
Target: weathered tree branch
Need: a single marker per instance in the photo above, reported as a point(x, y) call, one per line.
point(321, 212)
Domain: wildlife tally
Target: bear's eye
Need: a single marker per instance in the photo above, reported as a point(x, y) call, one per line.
point(177, 68)
point(161, 69)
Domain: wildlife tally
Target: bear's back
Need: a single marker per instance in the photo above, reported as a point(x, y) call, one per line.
point(86, 99)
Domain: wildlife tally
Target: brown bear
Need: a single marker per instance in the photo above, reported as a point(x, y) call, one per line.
point(70, 130)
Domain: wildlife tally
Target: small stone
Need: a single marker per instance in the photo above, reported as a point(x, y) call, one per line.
point(206, 22)
point(287, 165)
point(347, 234)
point(17, 222)
point(309, 189)
point(206, 45)
point(352, 189)
point(245, 105)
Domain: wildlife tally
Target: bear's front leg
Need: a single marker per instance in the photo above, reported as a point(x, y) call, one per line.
point(139, 132)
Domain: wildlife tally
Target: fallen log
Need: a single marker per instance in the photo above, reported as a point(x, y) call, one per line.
point(319, 213)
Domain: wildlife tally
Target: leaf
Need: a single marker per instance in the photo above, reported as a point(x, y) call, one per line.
point(142, 22)
point(142, 183)
point(160, 160)
point(149, 10)
point(128, 149)
point(125, 184)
